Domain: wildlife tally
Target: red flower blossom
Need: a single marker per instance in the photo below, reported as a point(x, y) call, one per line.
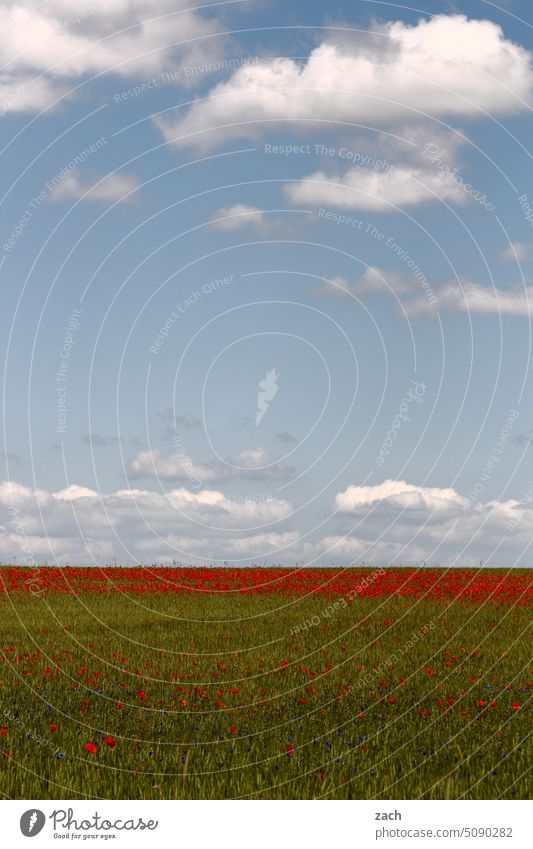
point(92, 748)
point(53, 726)
point(110, 741)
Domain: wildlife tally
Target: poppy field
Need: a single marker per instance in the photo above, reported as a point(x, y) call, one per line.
point(265, 683)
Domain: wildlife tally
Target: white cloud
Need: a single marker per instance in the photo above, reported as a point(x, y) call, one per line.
point(398, 73)
point(22, 93)
point(373, 279)
point(390, 522)
point(400, 523)
point(107, 189)
point(79, 524)
point(376, 191)
point(255, 463)
point(517, 251)
point(420, 297)
point(468, 297)
point(259, 463)
point(237, 216)
point(178, 466)
point(399, 494)
point(336, 286)
point(66, 41)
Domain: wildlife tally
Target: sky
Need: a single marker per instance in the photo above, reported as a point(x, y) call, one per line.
point(266, 283)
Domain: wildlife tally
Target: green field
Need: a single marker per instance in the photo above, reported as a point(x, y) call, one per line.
point(225, 696)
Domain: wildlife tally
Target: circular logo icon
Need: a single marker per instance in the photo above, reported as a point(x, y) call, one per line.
point(32, 822)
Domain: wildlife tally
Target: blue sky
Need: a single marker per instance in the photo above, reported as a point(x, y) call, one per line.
point(334, 203)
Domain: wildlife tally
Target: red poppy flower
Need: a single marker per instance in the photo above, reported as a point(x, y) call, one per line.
point(233, 729)
point(3, 731)
point(392, 700)
point(482, 702)
point(92, 748)
point(290, 749)
point(516, 706)
point(110, 741)
point(53, 726)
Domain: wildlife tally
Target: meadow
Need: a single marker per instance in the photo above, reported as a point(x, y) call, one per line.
point(205, 683)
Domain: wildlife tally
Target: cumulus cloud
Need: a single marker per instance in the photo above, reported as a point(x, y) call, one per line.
point(468, 297)
point(237, 216)
point(517, 252)
point(445, 66)
point(399, 494)
point(376, 191)
point(397, 522)
point(80, 525)
point(108, 189)
point(22, 93)
point(260, 463)
point(420, 297)
point(335, 286)
point(66, 41)
point(255, 463)
point(178, 466)
point(392, 522)
point(373, 279)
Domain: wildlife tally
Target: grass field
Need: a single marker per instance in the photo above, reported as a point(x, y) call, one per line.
point(199, 683)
